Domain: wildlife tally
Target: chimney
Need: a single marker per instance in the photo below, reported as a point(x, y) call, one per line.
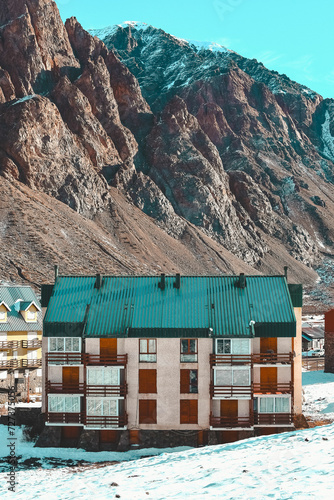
point(56, 271)
point(162, 282)
point(242, 281)
point(98, 281)
point(177, 282)
point(286, 272)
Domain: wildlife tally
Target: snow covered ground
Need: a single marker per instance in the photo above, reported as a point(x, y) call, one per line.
point(294, 465)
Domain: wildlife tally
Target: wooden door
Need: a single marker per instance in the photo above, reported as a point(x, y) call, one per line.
point(229, 411)
point(71, 378)
point(108, 347)
point(268, 380)
point(268, 344)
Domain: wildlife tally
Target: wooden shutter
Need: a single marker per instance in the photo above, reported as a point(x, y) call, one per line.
point(71, 377)
point(147, 411)
point(268, 344)
point(184, 381)
point(268, 379)
point(147, 381)
point(108, 347)
point(188, 411)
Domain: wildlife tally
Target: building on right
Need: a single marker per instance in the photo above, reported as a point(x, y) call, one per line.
point(329, 341)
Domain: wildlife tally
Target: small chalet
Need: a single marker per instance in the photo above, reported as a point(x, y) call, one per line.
point(170, 360)
point(20, 341)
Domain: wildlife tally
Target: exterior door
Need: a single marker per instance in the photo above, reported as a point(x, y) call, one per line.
point(108, 347)
point(268, 379)
point(229, 411)
point(71, 378)
point(268, 344)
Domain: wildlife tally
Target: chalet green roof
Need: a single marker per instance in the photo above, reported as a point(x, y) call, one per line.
point(135, 306)
point(18, 298)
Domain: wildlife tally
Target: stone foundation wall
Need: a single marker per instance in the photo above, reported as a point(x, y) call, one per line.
point(329, 352)
point(20, 383)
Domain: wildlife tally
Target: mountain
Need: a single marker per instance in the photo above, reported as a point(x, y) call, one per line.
point(138, 152)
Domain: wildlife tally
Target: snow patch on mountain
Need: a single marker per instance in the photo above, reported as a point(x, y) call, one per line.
point(102, 33)
point(327, 138)
point(213, 46)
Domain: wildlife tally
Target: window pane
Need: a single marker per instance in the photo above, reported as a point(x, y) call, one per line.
point(90, 406)
point(282, 405)
point(113, 407)
point(98, 407)
point(184, 345)
point(143, 345)
point(52, 344)
point(240, 377)
point(227, 346)
point(152, 345)
point(60, 344)
point(223, 377)
point(193, 381)
point(71, 404)
point(76, 344)
point(114, 376)
point(189, 358)
point(193, 345)
point(68, 344)
point(152, 358)
point(220, 346)
point(240, 346)
point(106, 409)
point(92, 376)
point(267, 405)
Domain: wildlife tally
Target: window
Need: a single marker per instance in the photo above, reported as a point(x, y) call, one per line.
point(147, 411)
point(147, 381)
point(188, 411)
point(105, 375)
point(64, 344)
point(232, 346)
point(147, 350)
point(102, 406)
point(273, 405)
point(188, 350)
point(64, 404)
point(3, 316)
point(234, 375)
point(188, 381)
point(31, 316)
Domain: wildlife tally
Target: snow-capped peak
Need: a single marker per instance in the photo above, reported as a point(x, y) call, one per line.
point(110, 30)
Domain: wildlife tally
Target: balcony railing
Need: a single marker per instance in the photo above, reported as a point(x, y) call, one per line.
point(102, 359)
point(230, 359)
point(78, 358)
point(65, 358)
point(230, 422)
point(98, 421)
point(20, 363)
point(9, 344)
point(273, 418)
point(272, 358)
point(258, 358)
point(31, 344)
point(229, 391)
point(274, 388)
point(87, 390)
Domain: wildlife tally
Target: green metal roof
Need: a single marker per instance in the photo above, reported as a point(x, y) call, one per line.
point(14, 296)
point(136, 306)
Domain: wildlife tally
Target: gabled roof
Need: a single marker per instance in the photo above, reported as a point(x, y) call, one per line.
point(3, 303)
point(202, 306)
point(14, 296)
point(24, 306)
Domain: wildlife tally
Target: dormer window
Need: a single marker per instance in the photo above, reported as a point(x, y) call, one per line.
point(29, 311)
point(3, 315)
point(3, 312)
point(31, 316)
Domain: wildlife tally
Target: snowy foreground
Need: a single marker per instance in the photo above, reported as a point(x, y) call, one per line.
point(294, 465)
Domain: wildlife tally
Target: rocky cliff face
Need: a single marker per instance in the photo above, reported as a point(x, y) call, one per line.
point(174, 157)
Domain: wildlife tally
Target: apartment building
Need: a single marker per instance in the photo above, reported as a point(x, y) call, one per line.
point(20, 342)
point(170, 360)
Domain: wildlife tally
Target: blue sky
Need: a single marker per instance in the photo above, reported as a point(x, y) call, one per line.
point(295, 37)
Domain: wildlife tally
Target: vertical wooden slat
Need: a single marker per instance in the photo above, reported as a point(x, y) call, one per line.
point(184, 381)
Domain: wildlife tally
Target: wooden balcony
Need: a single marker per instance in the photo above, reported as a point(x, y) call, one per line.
point(31, 344)
point(275, 388)
point(102, 359)
point(100, 421)
point(20, 363)
point(230, 359)
point(272, 358)
point(273, 418)
point(65, 358)
point(87, 390)
point(231, 391)
point(230, 422)
point(96, 421)
point(9, 344)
